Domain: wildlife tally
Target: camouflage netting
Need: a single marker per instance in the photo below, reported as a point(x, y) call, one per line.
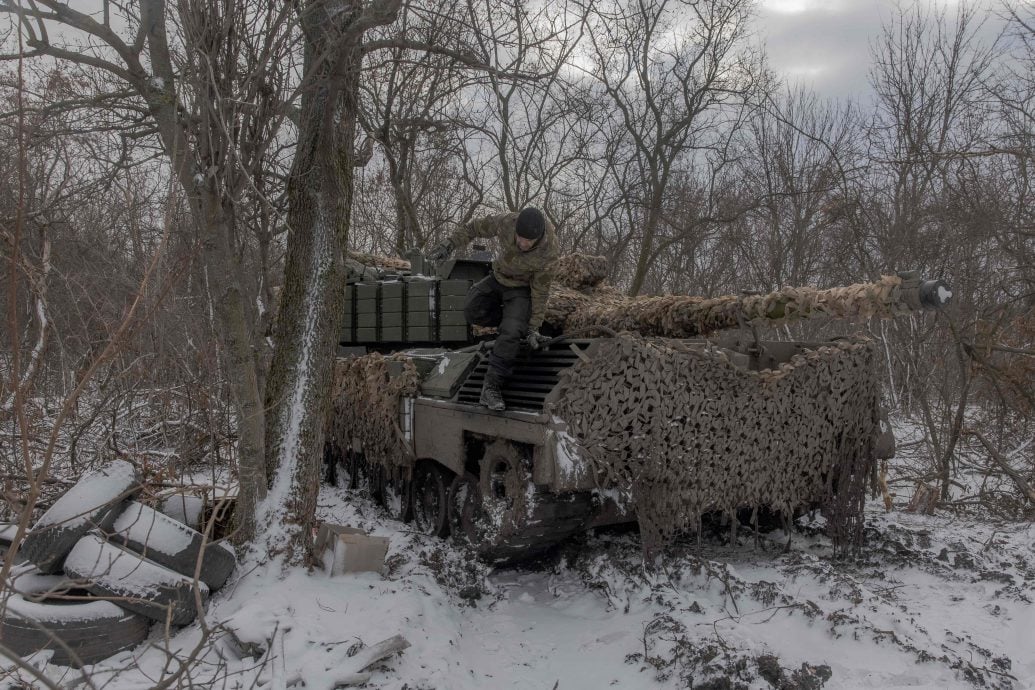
point(679, 316)
point(580, 271)
point(687, 432)
point(378, 261)
point(365, 406)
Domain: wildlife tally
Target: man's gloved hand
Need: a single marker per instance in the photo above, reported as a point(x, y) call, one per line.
point(536, 339)
point(440, 251)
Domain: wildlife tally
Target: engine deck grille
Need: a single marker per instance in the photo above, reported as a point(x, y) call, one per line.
point(535, 375)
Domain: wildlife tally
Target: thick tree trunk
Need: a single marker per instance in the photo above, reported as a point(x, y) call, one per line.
point(237, 336)
point(320, 201)
point(221, 262)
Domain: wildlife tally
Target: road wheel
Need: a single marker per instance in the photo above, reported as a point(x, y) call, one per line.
point(134, 582)
point(467, 519)
point(42, 613)
point(430, 500)
point(92, 502)
point(504, 484)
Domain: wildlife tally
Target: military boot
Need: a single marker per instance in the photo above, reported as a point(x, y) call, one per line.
point(491, 396)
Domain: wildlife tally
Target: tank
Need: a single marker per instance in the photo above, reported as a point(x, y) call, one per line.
point(659, 410)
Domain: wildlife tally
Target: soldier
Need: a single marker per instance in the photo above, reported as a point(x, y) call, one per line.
point(512, 297)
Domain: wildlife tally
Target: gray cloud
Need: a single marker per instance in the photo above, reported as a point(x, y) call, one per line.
point(827, 45)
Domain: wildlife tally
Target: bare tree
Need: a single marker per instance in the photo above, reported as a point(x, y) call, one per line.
point(412, 107)
point(213, 108)
point(681, 77)
point(929, 76)
point(797, 155)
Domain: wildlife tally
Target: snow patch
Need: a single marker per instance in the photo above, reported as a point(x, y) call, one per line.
point(567, 452)
point(442, 366)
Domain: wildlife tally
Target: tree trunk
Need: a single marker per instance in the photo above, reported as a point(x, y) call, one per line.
point(320, 202)
point(236, 327)
point(237, 335)
point(643, 261)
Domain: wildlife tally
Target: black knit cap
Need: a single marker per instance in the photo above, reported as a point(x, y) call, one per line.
point(531, 223)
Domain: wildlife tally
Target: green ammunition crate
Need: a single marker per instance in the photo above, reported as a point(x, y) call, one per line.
point(418, 334)
point(391, 304)
point(366, 335)
point(419, 302)
point(419, 319)
point(348, 328)
point(452, 302)
point(453, 333)
point(417, 288)
point(391, 320)
point(453, 287)
point(366, 290)
point(368, 320)
point(366, 306)
point(390, 290)
point(452, 318)
point(392, 335)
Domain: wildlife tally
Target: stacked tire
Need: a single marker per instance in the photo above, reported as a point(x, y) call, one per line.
point(101, 568)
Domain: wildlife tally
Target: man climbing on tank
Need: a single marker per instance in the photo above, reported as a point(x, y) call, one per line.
point(513, 297)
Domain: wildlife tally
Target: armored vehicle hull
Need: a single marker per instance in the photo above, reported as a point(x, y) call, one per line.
point(614, 428)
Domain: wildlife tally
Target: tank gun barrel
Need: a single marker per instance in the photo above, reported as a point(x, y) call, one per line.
point(680, 316)
point(924, 294)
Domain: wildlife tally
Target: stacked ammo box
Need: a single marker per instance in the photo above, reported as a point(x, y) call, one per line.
point(414, 309)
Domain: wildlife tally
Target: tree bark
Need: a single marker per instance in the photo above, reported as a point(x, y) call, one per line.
point(319, 205)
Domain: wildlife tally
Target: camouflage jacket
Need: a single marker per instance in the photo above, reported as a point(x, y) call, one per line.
point(514, 267)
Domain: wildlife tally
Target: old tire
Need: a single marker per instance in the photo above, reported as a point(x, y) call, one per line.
point(7, 532)
point(92, 502)
point(430, 500)
point(134, 582)
point(79, 632)
point(185, 508)
point(172, 544)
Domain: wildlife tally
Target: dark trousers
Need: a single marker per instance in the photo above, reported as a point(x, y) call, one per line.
point(492, 305)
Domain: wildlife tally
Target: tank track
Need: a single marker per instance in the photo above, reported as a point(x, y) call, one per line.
point(501, 524)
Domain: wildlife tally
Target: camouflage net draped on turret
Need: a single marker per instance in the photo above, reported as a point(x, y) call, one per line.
point(680, 316)
point(687, 432)
point(365, 407)
point(383, 262)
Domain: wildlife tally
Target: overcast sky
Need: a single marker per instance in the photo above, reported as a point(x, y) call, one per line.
point(826, 43)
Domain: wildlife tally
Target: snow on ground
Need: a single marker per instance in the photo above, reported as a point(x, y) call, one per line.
point(930, 602)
